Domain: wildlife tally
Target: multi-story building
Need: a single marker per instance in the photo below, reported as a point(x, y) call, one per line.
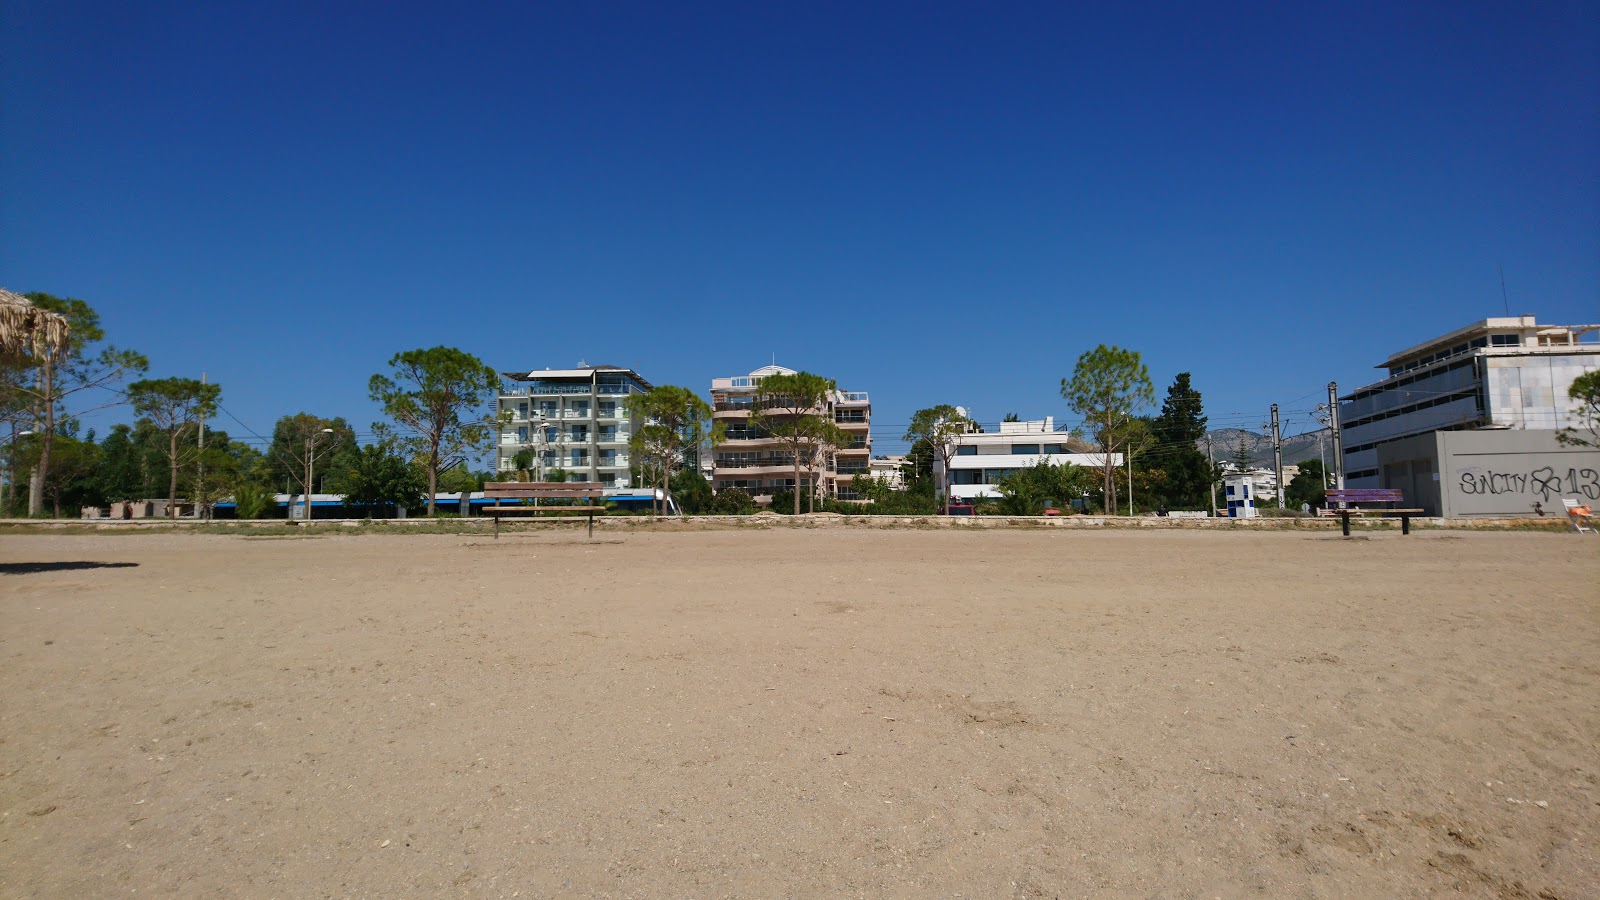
point(763, 466)
point(1503, 374)
point(982, 459)
point(578, 420)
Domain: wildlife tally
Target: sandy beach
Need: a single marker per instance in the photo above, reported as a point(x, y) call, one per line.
point(801, 713)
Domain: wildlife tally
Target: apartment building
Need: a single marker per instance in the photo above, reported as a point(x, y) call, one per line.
point(763, 466)
point(982, 459)
point(1496, 374)
point(577, 420)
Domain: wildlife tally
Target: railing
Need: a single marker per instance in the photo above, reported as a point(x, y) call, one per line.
point(758, 463)
point(851, 470)
point(853, 397)
point(850, 418)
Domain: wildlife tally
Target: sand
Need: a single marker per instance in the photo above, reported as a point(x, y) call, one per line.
point(837, 712)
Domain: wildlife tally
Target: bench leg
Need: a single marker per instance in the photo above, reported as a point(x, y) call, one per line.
point(497, 528)
point(1405, 524)
point(591, 528)
point(1344, 521)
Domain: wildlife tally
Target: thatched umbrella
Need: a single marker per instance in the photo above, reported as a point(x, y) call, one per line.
point(27, 330)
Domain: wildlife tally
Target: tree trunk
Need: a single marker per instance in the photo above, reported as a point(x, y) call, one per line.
point(433, 475)
point(666, 484)
point(47, 377)
point(796, 449)
point(172, 485)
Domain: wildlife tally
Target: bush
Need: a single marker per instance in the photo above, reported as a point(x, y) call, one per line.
point(252, 501)
point(732, 502)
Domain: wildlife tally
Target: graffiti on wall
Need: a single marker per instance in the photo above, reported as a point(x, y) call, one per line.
point(1544, 482)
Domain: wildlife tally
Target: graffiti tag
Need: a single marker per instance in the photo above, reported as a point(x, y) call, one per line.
point(1543, 482)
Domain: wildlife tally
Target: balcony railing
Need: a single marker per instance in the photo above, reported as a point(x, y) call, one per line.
point(760, 462)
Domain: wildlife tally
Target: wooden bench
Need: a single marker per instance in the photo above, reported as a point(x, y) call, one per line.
point(524, 492)
point(1370, 495)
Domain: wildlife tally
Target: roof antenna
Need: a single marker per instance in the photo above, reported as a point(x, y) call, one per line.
point(1503, 298)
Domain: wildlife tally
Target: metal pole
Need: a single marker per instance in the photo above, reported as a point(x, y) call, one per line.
point(1336, 435)
point(1277, 453)
point(200, 472)
point(1211, 475)
point(1130, 480)
point(306, 517)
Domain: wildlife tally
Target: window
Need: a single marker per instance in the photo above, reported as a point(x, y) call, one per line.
point(522, 410)
point(608, 409)
point(1230, 490)
point(967, 450)
point(547, 408)
point(1055, 448)
point(580, 409)
point(1505, 340)
point(1025, 449)
point(522, 434)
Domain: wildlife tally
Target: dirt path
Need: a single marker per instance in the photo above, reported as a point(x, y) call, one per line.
point(802, 714)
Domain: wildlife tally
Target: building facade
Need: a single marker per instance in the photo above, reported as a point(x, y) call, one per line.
point(981, 460)
point(576, 420)
point(763, 466)
point(1496, 374)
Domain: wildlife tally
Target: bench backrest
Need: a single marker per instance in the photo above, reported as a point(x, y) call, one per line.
point(544, 490)
point(1364, 495)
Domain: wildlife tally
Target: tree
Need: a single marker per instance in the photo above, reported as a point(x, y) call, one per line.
point(1108, 386)
point(1308, 486)
point(792, 408)
point(1186, 475)
point(1241, 457)
point(70, 480)
point(377, 476)
point(434, 395)
point(175, 406)
point(303, 434)
point(1585, 391)
point(130, 460)
point(1026, 491)
point(678, 423)
point(44, 383)
point(940, 426)
point(692, 490)
point(733, 502)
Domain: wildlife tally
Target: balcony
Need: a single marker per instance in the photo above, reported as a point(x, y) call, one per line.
point(851, 398)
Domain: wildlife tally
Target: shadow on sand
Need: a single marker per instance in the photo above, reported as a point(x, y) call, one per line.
point(32, 568)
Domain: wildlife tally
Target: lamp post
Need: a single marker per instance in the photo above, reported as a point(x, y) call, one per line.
point(311, 445)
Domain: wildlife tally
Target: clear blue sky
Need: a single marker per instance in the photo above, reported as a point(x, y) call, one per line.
point(930, 203)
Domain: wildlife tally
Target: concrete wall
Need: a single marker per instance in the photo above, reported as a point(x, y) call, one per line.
point(1489, 473)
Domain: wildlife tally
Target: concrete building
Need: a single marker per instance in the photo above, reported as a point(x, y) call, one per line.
point(1263, 481)
point(890, 469)
point(578, 420)
point(982, 459)
point(762, 465)
point(1240, 490)
point(1506, 373)
point(1465, 424)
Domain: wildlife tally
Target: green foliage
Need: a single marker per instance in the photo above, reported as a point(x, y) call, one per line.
point(733, 502)
point(1109, 385)
point(679, 425)
point(253, 500)
point(918, 470)
point(1585, 392)
point(380, 478)
point(436, 396)
point(176, 406)
point(938, 428)
point(692, 491)
point(522, 460)
point(786, 502)
point(285, 461)
point(1186, 474)
point(790, 408)
point(69, 482)
point(1308, 486)
point(44, 389)
point(1031, 489)
point(556, 476)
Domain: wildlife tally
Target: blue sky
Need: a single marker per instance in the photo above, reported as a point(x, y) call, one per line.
point(932, 203)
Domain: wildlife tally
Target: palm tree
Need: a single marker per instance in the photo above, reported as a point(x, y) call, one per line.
point(26, 330)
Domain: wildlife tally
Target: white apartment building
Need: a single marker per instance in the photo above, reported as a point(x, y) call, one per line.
point(981, 460)
point(890, 469)
point(1502, 373)
point(577, 420)
point(763, 466)
point(1263, 481)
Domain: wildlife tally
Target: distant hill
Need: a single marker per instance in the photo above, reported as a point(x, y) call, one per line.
point(1225, 442)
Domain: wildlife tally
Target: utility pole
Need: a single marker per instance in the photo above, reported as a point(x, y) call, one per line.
point(200, 472)
point(1336, 435)
point(1211, 475)
point(1130, 479)
point(1277, 453)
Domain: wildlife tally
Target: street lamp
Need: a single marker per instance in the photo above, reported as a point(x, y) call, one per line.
point(311, 443)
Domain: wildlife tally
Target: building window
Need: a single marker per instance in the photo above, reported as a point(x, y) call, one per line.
point(967, 450)
point(608, 409)
point(580, 409)
point(1505, 340)
point(547, 408)
point(1025, 449)
point(1055, 448)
